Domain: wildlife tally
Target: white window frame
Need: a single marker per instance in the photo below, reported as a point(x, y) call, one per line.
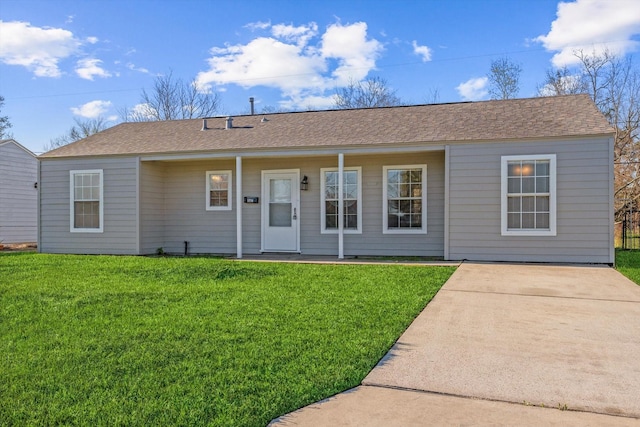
point(72, 200)
point(385, 201)
point(229, 191)
point(323, 206)
point(551, 231)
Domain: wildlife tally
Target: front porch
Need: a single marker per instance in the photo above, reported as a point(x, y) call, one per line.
point(176, 196)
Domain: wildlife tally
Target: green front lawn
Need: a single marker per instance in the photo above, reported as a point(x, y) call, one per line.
point(104, 340)
point(628, 263)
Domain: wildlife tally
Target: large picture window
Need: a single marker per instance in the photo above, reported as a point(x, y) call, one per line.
point(218, 191)
point(405, 199)
point(86, 210)
point(528, 195)
point(352, 200)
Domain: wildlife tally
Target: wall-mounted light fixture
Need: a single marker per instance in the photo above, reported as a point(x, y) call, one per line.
point(35, 185)
point(304, 184)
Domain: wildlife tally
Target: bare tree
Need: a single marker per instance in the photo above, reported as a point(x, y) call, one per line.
point(614, 85)
point(269, 109)
point(372, 92)
point(562, 81)
point(620, 103)
point(432, 96)
point(82, 129)
point(172, 99)
point(4, 121)
point(504, 79)
point(595, 73)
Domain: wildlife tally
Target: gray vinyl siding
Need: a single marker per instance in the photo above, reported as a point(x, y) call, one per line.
point(175, 193)
point(185, 216)
point(152, 178)
point(18, 197)
point(120, 235)
point(583, 203)
point(373, 241)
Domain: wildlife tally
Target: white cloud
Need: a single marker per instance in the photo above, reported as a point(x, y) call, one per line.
point(263, 62)
point(314, 102)
point(299, 35)
point(254, 26)
point(92, 109)
point(298, 60)
point(38, 49)
point(473, 89)
point(89, 68)
point(355, 54)
point(142, 112)
point(422, 51)
point(133, 67)
point(564, 85)
point(92, 40)
point(593, 26)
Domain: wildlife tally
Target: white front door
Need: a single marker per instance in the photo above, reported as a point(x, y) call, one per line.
point(280, 211)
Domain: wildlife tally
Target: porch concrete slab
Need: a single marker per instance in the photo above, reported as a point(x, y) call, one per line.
point(558, 336)
point(329, 259)
point(379, 406)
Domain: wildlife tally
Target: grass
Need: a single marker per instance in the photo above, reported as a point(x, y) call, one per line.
point(628, 263)
point(103, 340)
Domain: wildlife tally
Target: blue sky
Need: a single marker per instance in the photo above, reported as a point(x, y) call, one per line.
point(61, 60)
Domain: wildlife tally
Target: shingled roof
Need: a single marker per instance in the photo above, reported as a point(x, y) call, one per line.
point(530, 118)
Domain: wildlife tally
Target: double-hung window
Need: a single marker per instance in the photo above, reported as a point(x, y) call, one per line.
point(352, 200)
point(218, 191)
point(404, 199)
point(86, 195)
point(529, 195)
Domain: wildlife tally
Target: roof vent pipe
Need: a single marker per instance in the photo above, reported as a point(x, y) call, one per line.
point(251, 102)
point(229, 123)
point(204, 124)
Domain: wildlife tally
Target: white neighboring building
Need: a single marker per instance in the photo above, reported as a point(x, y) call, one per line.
point(18, 193)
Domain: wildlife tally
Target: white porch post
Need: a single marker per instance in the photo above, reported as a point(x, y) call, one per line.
point(238, 207)
point(341, 206)
point(447, 166)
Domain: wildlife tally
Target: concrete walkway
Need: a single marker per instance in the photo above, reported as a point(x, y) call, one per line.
point(506, 344)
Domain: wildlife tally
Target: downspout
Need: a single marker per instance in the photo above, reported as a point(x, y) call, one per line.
point(238, 207)
point(341, 206)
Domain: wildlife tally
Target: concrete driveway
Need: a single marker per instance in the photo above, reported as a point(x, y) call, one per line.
point(506, 344)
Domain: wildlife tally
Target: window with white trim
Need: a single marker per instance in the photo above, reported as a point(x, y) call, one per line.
point(352, 200)
point(404, 199)
point(528, 185)
point(218, 190)
point(86, 195)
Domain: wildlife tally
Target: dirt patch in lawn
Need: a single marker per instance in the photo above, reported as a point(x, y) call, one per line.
point(18, 247)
